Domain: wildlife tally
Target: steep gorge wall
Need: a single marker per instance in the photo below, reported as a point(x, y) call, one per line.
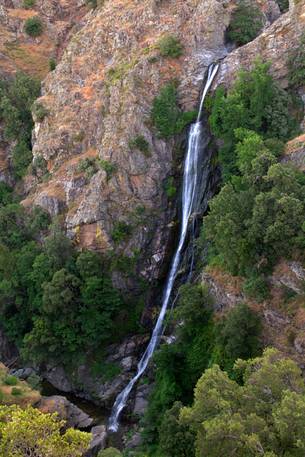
point(98, 99)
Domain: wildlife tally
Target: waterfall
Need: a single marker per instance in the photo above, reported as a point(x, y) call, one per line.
point(190, 185)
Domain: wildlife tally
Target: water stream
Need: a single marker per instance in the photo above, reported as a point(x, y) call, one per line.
point(189, 189)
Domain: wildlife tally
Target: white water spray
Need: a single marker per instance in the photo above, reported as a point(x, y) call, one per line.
point(190, 181)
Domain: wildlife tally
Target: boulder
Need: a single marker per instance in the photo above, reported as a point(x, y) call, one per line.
point(98, 442)
point(66, 410)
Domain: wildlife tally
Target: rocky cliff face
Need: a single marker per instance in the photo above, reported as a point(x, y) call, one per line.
point(273, 45)
point(98, 99)
point(18, 51)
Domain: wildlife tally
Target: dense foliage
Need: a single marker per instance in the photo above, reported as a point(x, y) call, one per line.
point(54, 302)
point(199, 343)
point(31, 433)
point(264, 416)
point(296, 64)
point(258, 216)
point(166, 115)
point(283, 4)
point(254, 103)
point(16, 100)
point(237, 337)
point(33, 26)
point(170, 46)
point(246, 23)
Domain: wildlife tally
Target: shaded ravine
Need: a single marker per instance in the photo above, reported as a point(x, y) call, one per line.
point(189, 190)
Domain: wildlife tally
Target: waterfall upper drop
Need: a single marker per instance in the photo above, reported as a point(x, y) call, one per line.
point(190, 185)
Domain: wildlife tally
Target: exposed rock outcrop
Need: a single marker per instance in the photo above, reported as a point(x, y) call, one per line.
point(103, 387)
point(66, 410)
point(18, 51)
point(295, 152)
point(99, 98)
point(274, 45)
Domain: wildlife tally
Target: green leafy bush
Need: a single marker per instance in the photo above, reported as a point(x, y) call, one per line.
point(176, 439)
point(33, 26)
point(40, 111)
point(170, 46)
point(10, 380)
point(166, 115)
point(246, 23)
point(170, 187)
point(139, 142)
point(21, 158)
point(16, 391)
point(121, 231)
point(52, 64)
point(256, 287)
point(28, 4)
point(16, 99)
point(296, 65)
point(88, 166)
point(237, 337)
point(109, 167)
point(254, 103)
point(284, 5)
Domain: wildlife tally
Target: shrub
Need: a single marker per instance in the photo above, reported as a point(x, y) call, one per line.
point(39, 166)
point(52, 64)
point(246, 23)
point(16, 100)
point(28, 4)
point(39, 111)
point(237, 336)
point(166, 115)
point(170, 188)
point(170, 46)
point(109, 167)
point(139, 142)
point(121, 231)
point(33, 26)
point(10, 380)
point(88, 166)
point(245, 107)
point(284, 5)
point(16, 392)
point(21, 158)
point(256, 287)
point(296, 65)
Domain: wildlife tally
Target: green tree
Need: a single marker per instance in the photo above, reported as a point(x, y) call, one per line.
point(245, 24)
point(33, 26)
point(237, 336)
point(166, 115)
point(61, 294)
point(175, 438)
point(31, 433)
point(261, 417)
point(254, 103)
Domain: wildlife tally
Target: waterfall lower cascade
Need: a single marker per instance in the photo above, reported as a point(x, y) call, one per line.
point(190, 183)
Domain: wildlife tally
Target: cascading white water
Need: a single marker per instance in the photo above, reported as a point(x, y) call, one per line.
point(190, 181)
